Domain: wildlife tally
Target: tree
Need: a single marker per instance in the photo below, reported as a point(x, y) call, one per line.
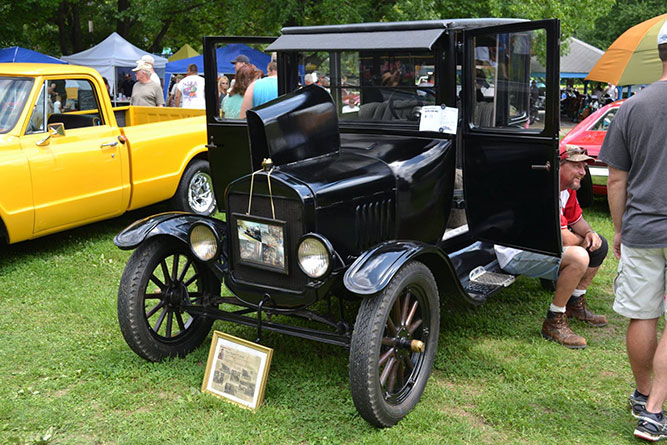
point(623, 15)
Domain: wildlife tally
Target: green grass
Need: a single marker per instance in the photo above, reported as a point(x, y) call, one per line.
point(67, 376)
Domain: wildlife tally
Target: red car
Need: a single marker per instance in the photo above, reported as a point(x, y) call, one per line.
point(589, 134)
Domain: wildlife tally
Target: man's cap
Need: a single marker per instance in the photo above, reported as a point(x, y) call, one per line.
point(141, 65)
point(148, 59)
point(662, 34)
point(574, 153)
point(240, 58)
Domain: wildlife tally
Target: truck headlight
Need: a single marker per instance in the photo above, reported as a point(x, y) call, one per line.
point(314, 256)
point(203, 242)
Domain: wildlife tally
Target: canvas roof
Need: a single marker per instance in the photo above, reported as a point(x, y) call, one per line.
point(16, 54)
point(183, 53)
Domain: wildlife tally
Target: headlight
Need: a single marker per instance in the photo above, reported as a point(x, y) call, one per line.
point(313, 257)
point(203, 242)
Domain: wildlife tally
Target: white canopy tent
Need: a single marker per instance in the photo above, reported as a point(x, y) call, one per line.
point(112, 53)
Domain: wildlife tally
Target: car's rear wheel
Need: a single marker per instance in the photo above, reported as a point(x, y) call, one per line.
point(160, 282)
point(393, 345)
point(195, 190)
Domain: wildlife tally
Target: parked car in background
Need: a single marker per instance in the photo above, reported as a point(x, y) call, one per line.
point(589, 134)
point(67, 158)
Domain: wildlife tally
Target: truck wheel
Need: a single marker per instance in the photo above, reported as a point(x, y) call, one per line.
point(159, 281)
point(195, 191)
point(393, 345)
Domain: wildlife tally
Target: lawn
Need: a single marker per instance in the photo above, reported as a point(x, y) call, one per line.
point(67, 376)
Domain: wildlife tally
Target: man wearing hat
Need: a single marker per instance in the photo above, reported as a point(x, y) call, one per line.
point(635, 148)
point(240, 61)
point(583, 253)
point(147, 58)
point(145, 92)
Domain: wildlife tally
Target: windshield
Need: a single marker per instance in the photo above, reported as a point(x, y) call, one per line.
point(14, 92)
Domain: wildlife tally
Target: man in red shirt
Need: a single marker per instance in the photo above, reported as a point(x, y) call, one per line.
point(583, 253)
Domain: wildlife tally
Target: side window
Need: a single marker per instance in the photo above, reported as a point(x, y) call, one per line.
point(508, 72)
point(72, 102)
point(37, 122)
point(239, 65)
point(605, 121)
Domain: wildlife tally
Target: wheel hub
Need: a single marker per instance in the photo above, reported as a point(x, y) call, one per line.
point(176, 295)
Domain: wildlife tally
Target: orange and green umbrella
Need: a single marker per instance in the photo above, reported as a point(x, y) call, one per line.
point(633, 58)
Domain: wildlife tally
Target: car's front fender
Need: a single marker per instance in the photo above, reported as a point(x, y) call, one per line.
point(174, 224)
point(375, 268)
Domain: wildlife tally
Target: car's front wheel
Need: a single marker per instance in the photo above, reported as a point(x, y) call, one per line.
point(160, 282)
point(393, 345)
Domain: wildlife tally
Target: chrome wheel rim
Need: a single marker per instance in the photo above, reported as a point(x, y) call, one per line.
point(200, 193)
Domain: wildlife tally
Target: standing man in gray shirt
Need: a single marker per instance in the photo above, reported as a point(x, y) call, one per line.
point(635, 149)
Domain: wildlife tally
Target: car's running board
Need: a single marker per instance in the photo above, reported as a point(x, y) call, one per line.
point(482, 283)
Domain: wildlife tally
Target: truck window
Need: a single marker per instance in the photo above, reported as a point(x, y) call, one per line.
point(70, 101)
point(14, 93)
point(504, 66)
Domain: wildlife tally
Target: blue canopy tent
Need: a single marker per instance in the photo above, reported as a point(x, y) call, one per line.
point(22, 55)
point(224, 56)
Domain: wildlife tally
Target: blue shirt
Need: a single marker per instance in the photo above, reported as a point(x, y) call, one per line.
point(265, 89)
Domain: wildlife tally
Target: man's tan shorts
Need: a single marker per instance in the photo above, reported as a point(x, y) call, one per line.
point(640, 283)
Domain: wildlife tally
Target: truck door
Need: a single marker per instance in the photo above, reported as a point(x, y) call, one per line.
point(76, 178)
point(510, 145)
point(227, 135)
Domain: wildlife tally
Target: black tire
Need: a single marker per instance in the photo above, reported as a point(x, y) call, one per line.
point(585, 192)
point(160, 275)
point(386, 378)
point(195, 190)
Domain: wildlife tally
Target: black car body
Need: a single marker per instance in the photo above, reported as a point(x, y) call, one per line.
point(344, 195)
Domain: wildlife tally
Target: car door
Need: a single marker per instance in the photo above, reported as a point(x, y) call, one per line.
point(228, 145)
point(510, 166)
point(76, 178)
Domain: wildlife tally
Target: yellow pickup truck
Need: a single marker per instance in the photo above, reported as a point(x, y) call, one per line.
point(67, 158)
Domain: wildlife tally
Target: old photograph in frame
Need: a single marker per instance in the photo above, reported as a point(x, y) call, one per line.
point(261, 242)
point(237, 370)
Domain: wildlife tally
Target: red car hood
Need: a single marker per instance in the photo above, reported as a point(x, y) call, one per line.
point(583, 136)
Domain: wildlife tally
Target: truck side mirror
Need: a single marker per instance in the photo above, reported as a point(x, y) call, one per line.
point(56, 130)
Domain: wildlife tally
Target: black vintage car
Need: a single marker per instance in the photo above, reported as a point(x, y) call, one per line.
point(351, 189)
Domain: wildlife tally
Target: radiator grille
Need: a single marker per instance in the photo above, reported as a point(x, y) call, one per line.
point(287, 210)
point(373, 222)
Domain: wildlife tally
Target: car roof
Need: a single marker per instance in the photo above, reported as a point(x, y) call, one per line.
point(416, 35)
point(41, 69)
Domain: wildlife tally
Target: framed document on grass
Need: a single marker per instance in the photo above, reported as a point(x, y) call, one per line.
point(237, 370)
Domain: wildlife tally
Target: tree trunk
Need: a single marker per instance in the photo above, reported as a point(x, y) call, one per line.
point(75, 26)
point(61, 21)
point(123, 24)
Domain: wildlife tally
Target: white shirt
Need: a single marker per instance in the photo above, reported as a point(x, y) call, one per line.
point(192, 92)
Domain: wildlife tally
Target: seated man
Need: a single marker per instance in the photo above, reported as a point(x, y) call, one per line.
point(583, 253)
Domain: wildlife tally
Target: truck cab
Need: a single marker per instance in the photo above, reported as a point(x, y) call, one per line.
point(394, 158)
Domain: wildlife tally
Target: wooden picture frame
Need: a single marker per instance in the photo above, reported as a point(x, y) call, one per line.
point(237, 370)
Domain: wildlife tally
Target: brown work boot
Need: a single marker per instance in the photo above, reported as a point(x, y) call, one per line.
point(576, 308)
point(555, 328)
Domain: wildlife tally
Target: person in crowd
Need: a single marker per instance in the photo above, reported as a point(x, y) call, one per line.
point(231, 105)
point(223, 88)
point(190, 90)
point(597, 92)
point(310, 78)
point(107, 86)
point(611, 92)
point(261, 90)
point(127, 85)
point(147, 58)
point(635, 148)
point(583, 253)
point(145, 92)
point(57, 104)
point(172, 89)
point(239, 62)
